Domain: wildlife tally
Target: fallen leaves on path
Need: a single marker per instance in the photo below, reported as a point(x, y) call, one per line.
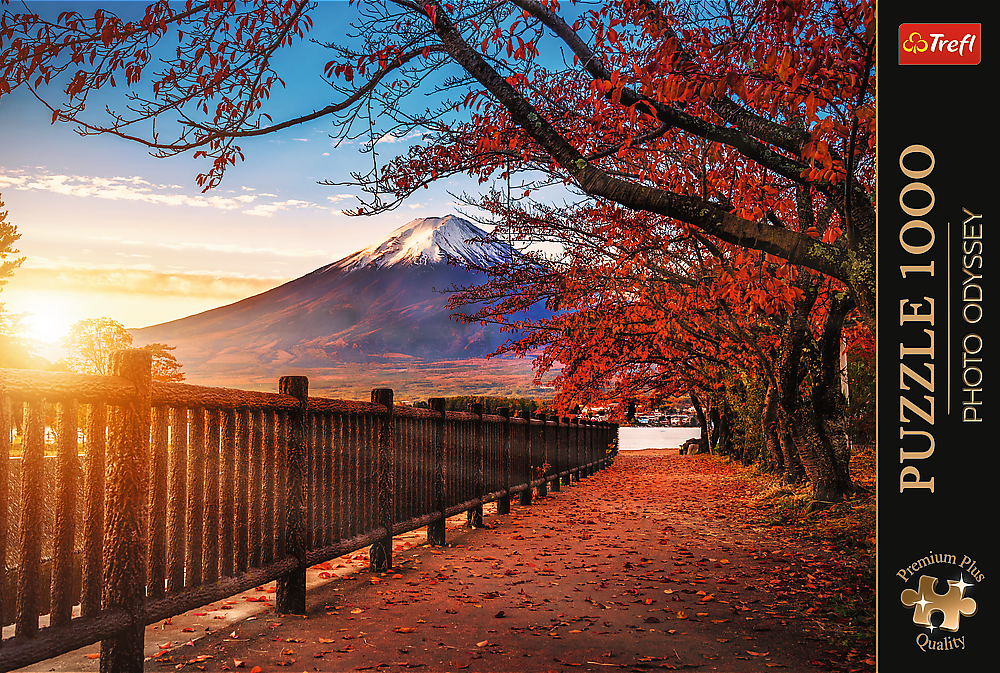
point(655, 548)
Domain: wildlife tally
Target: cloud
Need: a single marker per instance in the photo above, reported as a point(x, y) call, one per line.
point(246, 249)
point(118, 188)
point(136, 189)
point(140, 280)
point(269, 209)
point(229, 248)
point(390, 138)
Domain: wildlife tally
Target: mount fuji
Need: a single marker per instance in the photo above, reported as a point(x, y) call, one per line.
point(383, 304)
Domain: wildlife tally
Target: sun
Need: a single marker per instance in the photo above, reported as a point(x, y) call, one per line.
point(47, 322)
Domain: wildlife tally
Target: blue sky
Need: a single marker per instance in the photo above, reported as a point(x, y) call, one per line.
point(110, 231)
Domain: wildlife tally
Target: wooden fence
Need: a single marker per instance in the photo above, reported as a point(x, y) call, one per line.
point(163, 497)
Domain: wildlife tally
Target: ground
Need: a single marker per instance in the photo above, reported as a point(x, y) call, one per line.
point(658, 562)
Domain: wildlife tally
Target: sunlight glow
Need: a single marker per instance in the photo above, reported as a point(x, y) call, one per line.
point(48, 322)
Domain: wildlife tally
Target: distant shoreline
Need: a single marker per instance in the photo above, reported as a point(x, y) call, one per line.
point(653, 452)
point(632, 438)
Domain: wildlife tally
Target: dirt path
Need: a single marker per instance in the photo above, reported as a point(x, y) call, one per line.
point(647, 565)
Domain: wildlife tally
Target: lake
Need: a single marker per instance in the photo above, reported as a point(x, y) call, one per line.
point(631, 439)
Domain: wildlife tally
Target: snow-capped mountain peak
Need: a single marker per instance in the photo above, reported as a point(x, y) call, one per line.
point(431, 240)
point(379, 304)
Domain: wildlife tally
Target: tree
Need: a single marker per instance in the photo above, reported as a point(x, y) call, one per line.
point(91, 342)
point(8, 237)
point(710, 114)
point(740, 133)
point(165, 365)
point(15, 348)
point(652, 312)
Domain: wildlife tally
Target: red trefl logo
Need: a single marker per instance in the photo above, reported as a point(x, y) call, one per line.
point(940, 43)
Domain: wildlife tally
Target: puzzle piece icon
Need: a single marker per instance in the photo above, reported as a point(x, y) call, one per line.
point(926, 601)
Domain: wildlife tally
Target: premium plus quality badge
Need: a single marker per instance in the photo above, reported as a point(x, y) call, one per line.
point(940, 611)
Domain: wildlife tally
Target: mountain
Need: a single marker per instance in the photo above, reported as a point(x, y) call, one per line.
point(383, 304)
point(429, 241)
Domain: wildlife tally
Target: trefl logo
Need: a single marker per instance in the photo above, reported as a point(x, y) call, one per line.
point(940, 43)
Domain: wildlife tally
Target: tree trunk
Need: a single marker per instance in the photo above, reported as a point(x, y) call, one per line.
point(823, 438)
point(715, 435)
point(829, 404)
point(703, 443)
point(818, 460)
point(794, 470)
point(769, 426)
point(793, 340)
point(724, 436)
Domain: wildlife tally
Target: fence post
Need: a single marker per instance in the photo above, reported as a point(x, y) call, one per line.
point(478, 485)
point(570, 451)
point(571, 455)
point(256, 487)
point(506, 453)
point(555, 442)
point(241, 506)
point(595, 429)
point(575, 448)
point(567, 450)
point(558, 440)
point(212, 471)
point(308, 481)
point(156, 543)
point(602, 446)
point(543, 488)
point(526, 459)
point(435, 531)
point(29, 542)
point(124, 541)
point(270, 487)
point(196, 498)
point(291, 594)
point(61, 597)
point(177, 499)
point(6, 423)
point(583, 436)
point(381, 550)
point(595, 443)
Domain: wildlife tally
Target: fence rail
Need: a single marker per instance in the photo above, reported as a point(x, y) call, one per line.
point(163, 497)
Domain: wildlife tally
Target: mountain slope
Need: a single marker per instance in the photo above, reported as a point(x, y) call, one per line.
point(429, 241)
point(385, 301)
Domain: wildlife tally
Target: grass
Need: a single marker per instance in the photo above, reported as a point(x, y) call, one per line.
point(847, 528)
point(411, 379)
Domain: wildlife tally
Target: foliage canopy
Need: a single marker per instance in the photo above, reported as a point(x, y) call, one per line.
point(711, 114)
point(720, 157)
